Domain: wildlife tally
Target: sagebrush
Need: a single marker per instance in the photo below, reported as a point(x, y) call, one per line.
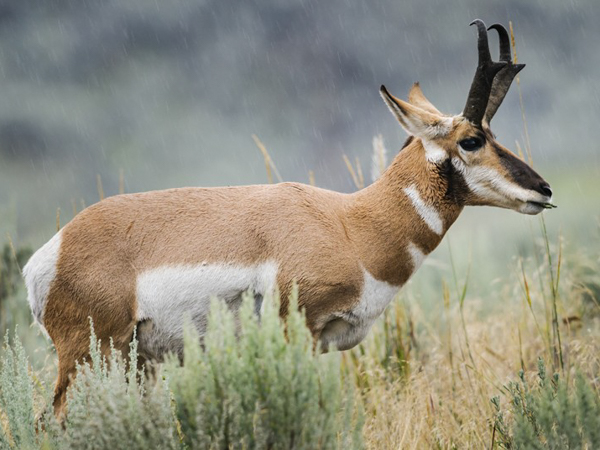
point(250, 384)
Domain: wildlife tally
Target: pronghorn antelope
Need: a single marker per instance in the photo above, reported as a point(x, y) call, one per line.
point(144, 261)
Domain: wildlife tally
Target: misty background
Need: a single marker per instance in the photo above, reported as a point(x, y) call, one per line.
point(168, 93)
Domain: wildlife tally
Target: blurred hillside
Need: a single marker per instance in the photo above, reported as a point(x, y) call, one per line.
point(170, 92)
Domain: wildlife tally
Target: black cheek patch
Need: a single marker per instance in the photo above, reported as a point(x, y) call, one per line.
point(519, 171)
point(457, 190)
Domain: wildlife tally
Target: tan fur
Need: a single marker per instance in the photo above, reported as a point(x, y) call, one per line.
point(417, 98)
point(321, 240)
point(492, 156)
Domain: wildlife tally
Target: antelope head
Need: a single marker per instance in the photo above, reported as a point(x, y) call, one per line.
point(492, 175)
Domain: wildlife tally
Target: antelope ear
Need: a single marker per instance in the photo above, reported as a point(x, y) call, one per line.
point(416, 121)
point(418, 99)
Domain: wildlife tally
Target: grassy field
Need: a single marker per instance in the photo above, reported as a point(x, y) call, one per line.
point(495, 343)
point(473, 369)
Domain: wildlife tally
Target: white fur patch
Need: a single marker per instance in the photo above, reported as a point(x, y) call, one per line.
point(39, 272)
point(489, 184)
point(166, 295)
point(427, 127)
point(433, 152)
point(374, 298)
point(442, 128)
point(437, 130)
point(347, 329)
point(428, 213)
point(417, 256)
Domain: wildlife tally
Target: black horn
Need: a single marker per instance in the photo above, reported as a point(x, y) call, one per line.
point(484, 76)
point(504, 79)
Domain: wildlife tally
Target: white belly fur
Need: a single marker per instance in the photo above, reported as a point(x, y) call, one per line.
point(167, 295)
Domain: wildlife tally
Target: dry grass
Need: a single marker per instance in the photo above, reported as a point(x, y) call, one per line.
point(269, 164)
point(426, 378)
point(437, 393)
point(440, 395)
point(445, 402)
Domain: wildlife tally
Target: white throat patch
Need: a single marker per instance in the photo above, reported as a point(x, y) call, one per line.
point(348, 328)
point(417, 256)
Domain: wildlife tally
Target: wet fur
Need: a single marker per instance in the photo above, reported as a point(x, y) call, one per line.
point(348, 253)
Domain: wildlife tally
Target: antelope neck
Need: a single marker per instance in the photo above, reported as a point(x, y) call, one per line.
point(404, 215)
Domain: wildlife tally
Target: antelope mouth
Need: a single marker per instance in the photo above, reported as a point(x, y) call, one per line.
point(533, 208)
point(544, 205)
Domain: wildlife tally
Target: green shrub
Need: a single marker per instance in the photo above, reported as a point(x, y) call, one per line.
point(253, 383)
point(113, 406)
point(262, 385)
point(10, 269)
point(13, 309)
point(110, 406)
point(552, 414)
point(17, 419)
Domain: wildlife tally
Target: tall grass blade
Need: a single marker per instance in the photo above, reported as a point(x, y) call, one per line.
point(356, 174)
point(269, 164)
point(521, 102)
point(557, 345)
point(99, 186)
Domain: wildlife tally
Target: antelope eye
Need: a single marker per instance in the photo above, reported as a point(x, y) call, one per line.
point(471, 144)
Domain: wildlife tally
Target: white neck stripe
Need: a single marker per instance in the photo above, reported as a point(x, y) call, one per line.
point(429, 214)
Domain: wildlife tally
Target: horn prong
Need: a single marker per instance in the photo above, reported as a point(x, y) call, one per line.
point(481, 86)
point(482, 41)
point(504, 42)
point(504, 79)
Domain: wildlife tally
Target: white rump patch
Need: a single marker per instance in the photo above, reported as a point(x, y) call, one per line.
point(428, 213)
point(39, 273)
point(347, 329)
point(167, 295)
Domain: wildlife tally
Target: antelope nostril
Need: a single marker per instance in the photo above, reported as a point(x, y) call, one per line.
point(545, 189)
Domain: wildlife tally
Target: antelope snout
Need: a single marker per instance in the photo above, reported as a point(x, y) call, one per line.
point(545, 189)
